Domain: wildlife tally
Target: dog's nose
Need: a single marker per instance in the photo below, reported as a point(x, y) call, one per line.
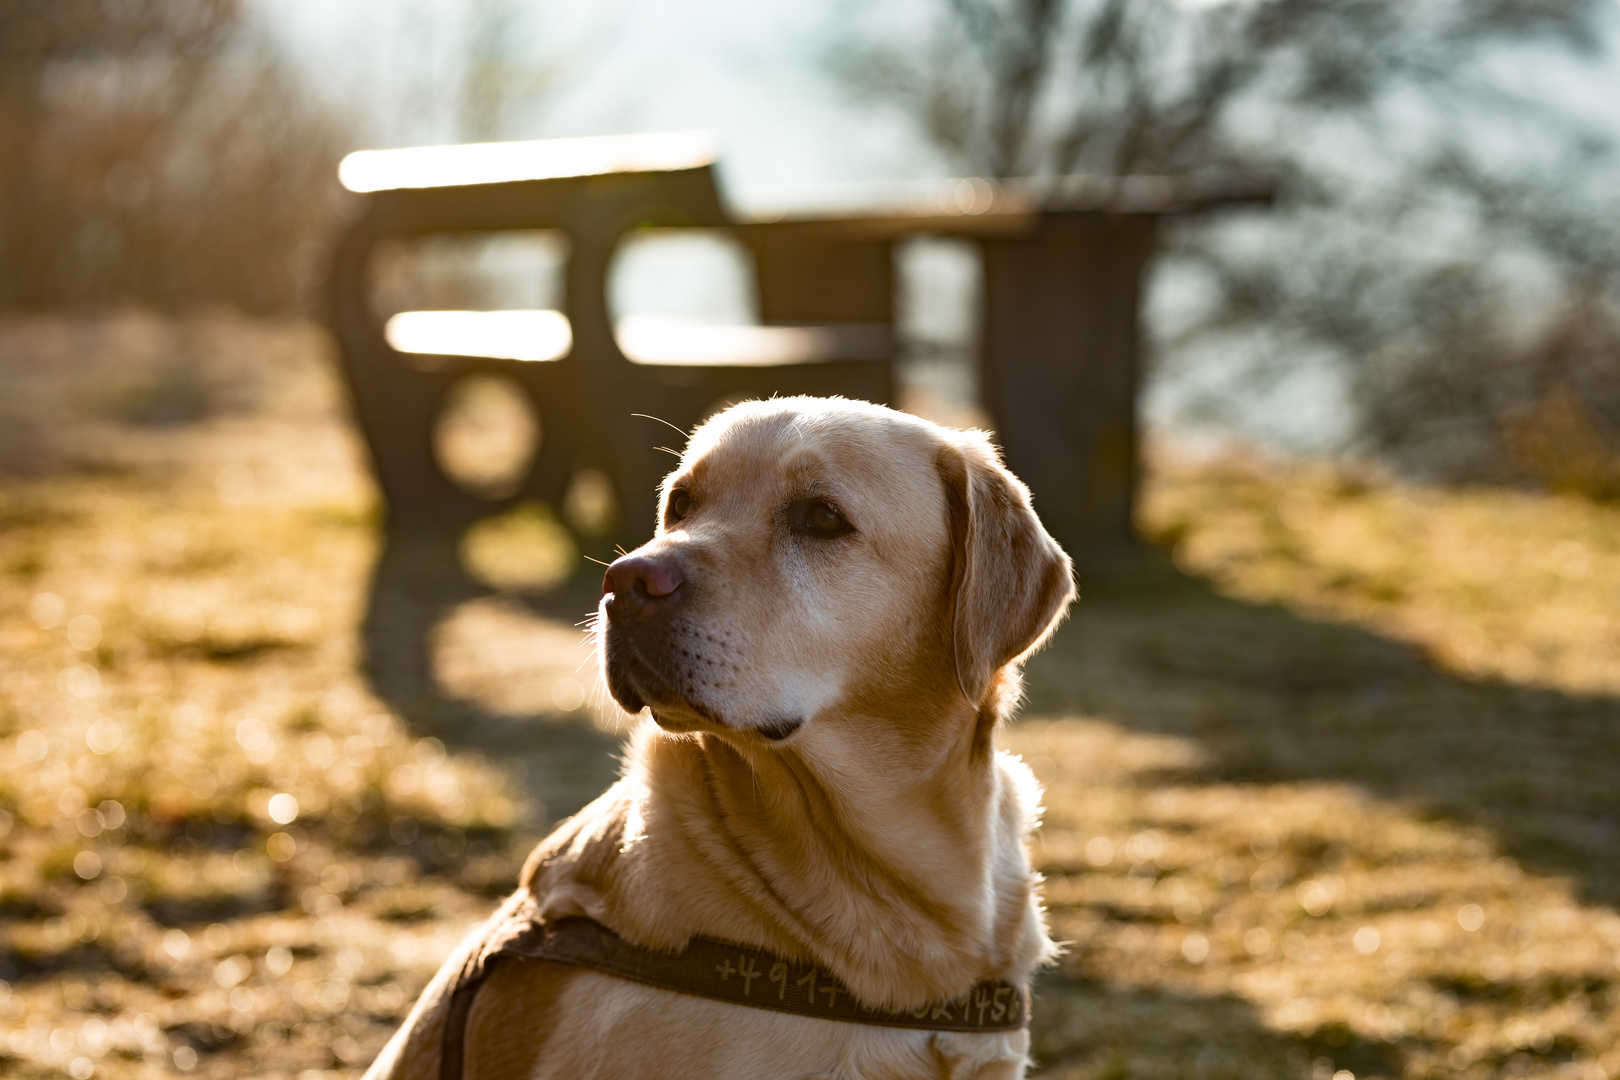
point(638, 580)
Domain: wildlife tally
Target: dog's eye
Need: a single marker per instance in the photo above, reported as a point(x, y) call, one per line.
point(680, 503)
point(819, 518)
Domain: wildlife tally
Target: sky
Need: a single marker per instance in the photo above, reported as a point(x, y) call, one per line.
point(745, 69)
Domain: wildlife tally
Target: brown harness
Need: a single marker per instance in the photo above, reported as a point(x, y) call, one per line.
point(721, 970)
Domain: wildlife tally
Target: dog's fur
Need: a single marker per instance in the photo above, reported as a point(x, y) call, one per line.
point(821, 780)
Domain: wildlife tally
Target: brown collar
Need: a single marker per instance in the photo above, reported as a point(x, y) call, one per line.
point(721, 970)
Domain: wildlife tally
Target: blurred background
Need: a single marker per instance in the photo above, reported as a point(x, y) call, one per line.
point(1327, 757)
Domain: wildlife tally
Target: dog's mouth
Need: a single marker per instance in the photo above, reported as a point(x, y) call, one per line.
point(777, 730)
point(690, 717)
point(637, 682)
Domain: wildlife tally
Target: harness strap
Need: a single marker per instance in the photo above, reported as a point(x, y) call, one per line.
point(720, 970)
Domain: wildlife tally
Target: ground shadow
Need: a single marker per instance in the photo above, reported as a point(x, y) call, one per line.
point(1089, 1029)
point(1273, 696)
point(416, 583)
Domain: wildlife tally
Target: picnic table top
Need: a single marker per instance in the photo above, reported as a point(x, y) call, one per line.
point(970, 205)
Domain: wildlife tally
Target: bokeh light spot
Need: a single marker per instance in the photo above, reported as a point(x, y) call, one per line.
point(283, 809)
point(281, 846)
point(84, 632)
point(32, 746)
point(47, 610)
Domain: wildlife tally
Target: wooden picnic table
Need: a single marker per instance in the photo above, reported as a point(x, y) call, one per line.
point(1059, 355)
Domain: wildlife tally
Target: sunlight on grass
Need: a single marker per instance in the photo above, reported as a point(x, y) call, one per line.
point(201, 781)
point(524, 548)
point(1358, 935)
point(1491, 583)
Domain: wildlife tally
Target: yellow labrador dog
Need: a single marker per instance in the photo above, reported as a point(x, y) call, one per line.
point(826, 630)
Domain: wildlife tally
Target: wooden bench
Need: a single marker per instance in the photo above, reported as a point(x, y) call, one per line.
point(1059, 355)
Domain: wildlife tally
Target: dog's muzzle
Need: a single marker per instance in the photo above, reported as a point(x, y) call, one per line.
point(640, 596)
point(646, 654)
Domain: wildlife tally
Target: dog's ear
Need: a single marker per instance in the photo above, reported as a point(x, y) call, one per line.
point(1011, 583)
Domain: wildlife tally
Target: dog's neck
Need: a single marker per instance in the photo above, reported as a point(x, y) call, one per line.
point(897, 862)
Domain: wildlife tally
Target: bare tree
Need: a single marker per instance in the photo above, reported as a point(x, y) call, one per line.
point(1391, 251)
point(516, 55)
point(1049, 87)
point(156, 153)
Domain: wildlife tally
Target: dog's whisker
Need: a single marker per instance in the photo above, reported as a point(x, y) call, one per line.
point(666, 423)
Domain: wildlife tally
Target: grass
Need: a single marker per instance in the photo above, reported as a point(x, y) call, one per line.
point(1331, 787)
point(1329, 772)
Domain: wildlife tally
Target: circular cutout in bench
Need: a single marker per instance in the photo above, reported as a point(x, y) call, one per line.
point(486, 436)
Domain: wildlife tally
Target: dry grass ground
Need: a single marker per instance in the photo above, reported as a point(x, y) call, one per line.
point(1329, 779)
point(1334, 790)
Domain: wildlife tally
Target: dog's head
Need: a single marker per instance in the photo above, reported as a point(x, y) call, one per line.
point(820, 557)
